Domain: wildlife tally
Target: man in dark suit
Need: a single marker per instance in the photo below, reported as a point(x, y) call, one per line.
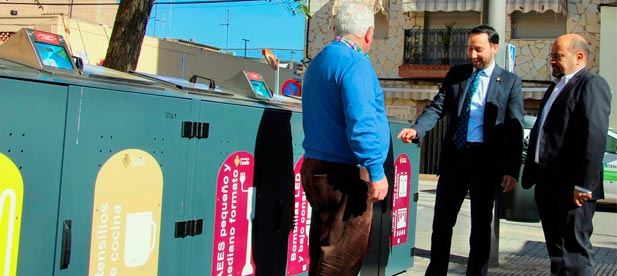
point(565, 154)
point(482, 147)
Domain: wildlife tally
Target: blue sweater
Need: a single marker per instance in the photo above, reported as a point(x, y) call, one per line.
point(343, 109)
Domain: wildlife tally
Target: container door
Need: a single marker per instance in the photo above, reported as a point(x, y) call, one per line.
point(123, 184)
point(224, 190)
point(394, 219)
point(298, 239)
point(31, 139)
point(404, 200)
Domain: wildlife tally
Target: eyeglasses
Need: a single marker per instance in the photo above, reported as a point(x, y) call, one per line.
point(556, 56)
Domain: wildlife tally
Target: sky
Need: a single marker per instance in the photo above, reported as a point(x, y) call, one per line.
point(264, 24)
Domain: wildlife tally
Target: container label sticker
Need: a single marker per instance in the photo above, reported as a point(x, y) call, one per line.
point(298, 241)
point(11, 202)
point(126, 215)
point(235, 196)
point(401, 199)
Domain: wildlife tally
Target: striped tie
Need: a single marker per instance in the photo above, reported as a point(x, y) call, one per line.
point(460, 136)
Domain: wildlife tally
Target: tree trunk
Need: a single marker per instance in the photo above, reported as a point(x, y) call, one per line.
point(128, 34)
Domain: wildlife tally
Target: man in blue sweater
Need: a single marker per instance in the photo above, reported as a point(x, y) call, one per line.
point(346, 143)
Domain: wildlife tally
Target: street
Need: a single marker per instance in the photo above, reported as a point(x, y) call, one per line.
point(521, 245)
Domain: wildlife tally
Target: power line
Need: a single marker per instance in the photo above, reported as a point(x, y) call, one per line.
point(117, 3)
point(225, 5)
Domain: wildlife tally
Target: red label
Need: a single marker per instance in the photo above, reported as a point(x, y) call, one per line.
point(401, 199)
point(233, 221)
point(254, 76)
point(46, 37)
point(298, 241)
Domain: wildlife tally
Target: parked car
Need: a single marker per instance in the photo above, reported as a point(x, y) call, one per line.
point(610, 168)
point(610, 161)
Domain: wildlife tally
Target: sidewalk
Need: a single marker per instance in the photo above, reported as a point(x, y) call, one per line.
point(521, 245)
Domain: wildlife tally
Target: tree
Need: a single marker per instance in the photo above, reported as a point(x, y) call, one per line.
point(297, 7)
point(128, 34)
point(130, 28)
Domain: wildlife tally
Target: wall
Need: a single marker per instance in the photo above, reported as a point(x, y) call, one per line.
point(386, 54)
point(89, 41)
point(583, 18)
point(608, 57)
point(103, 14)
point(49, 23)
point(183, 61)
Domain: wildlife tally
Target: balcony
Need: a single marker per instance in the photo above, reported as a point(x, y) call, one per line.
point(430, 53)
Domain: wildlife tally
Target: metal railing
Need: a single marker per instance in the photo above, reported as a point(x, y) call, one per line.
point(427, 47)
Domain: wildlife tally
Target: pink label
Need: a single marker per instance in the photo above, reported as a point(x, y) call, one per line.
point(400, 199)
point(232, 222)
point(298, 242)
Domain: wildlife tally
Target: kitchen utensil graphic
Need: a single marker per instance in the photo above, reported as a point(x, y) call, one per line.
point(140, 238)
point(248, 267)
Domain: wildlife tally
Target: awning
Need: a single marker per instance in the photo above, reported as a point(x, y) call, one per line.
point(442, 5)
point(414, 93)
point(417, 93)
point(378, 5)
point(533, 93)
point(540, 6)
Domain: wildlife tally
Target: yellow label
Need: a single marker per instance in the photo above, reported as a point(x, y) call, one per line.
point(11, 201)
point(126, 215)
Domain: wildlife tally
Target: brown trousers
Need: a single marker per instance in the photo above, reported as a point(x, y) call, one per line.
point(341, 217)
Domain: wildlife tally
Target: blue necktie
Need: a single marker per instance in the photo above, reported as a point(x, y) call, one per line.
point(460, 136)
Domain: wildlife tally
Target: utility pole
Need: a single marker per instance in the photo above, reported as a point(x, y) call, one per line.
point(170, 18)
point(156, 18)
point(226, 24)
point(156, 13)
point(494, 14)
point(245, 41)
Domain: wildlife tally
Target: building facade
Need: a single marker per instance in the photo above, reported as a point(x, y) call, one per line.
point(416, 42)
point(96, 11)
point(411, 57)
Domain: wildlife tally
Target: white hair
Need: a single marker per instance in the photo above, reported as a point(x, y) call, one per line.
point(354, 18)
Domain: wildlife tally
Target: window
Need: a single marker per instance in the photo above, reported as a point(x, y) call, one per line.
point(534, 25)
point(381, 26)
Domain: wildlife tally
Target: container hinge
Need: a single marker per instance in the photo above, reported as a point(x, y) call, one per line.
point(199, 130)
point(416, 196)
point(189, 228)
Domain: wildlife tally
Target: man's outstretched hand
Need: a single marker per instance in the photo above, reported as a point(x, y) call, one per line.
point(407, 135)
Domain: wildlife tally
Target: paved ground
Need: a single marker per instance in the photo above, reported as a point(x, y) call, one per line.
point(521, 245)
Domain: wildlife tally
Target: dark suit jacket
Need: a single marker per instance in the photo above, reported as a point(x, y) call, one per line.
point(503, 117)
point(574, 139)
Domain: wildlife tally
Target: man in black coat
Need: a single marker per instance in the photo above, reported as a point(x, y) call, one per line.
point(482, 147)
point(565, 155)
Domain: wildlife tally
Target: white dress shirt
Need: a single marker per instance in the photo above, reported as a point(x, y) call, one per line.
point(475, 128)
